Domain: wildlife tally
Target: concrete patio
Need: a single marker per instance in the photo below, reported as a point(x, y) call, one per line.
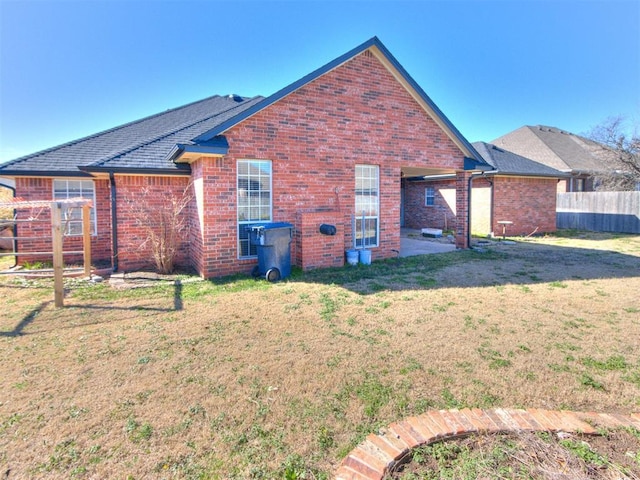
point(413, 243)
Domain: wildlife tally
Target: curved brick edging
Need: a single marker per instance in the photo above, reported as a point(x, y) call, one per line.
point(378, 454)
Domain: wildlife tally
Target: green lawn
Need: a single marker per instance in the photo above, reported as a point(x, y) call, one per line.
point(244, 379)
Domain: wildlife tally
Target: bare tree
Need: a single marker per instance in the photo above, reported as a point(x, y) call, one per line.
point(164, 224)
point(619, 148)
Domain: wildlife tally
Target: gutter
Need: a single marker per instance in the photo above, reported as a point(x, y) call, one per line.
point(44, 173)
point(15, 227)
point(180, 170)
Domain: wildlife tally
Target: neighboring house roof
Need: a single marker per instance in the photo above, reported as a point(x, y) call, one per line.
point(143, 144)
point(155, 144)
point(553, 147)
point(505, 162)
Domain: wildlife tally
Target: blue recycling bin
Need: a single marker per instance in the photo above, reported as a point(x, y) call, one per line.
point(273, 243)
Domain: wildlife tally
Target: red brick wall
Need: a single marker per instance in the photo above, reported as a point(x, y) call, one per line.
point(530, 203)
point(146, 193)
point(355, 114)
point(440, 215)
point(462, 209)
point(39, 231)
point(316, 249)
point(214, 244)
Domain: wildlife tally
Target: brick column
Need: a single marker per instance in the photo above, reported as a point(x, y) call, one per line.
point(462, 209)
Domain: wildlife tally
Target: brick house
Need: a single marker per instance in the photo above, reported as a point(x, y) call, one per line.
point(332, 147)
point(516, 190)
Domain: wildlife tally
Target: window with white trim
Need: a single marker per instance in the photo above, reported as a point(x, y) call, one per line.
point(429, 197)
point(367, 206)
point(254, 200)
point(72, 217)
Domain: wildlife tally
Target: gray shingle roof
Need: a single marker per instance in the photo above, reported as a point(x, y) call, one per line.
point(151, 144)
point(143, 144)
point(509, 163)
point(553, 147)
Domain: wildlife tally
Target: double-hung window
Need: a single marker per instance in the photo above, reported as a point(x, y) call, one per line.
point(254, 200)
point(72, 217)
point(367, 206)
point(429, 197)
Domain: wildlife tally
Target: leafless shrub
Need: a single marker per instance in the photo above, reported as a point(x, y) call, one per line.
point(163, 223)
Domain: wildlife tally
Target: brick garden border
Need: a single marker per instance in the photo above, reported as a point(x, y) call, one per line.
point(381, 452)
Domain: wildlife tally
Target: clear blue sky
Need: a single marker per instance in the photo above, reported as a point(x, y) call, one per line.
point(72, 68)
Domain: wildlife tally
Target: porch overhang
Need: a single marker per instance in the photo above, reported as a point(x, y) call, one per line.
point(419, 173)
point(431, 173)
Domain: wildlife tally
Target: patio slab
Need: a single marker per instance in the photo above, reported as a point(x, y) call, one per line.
point(413, 243)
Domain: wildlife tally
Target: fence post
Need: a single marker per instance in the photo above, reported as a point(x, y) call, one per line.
point(58, 267)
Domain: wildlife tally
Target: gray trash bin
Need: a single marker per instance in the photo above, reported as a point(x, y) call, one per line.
point(273, 242)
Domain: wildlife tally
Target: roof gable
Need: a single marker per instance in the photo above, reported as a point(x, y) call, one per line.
point(391, 64)
point(155, 144)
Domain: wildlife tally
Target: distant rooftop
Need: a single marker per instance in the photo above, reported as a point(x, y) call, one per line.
point(553, 147)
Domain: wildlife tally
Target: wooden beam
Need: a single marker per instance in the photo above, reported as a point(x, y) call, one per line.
point(86, 238)
point(58, 266)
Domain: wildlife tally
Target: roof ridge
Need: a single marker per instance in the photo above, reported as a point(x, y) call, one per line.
point(554, 129)
point(182, 126)
point(104, 132)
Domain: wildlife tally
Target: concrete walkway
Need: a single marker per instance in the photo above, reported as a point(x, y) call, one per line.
point(380, 453)
point(413, 243)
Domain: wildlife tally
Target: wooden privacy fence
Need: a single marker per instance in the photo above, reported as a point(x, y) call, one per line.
point(599, 211)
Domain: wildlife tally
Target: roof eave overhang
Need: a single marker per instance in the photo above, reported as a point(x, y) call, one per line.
point(187, 153)
point(44, 173)
point(498, 173)
point(180, 170)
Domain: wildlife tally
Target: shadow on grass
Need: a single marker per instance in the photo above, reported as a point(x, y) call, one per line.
point(18, 330)
point(520, 263)
point(28, 319)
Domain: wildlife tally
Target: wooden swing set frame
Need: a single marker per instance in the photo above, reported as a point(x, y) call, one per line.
point(57, 235)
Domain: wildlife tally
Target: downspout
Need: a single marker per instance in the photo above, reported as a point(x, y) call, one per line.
point(15, 226)
point(493, 198)
point(114, 223)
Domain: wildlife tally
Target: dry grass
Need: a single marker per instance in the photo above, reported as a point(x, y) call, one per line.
point(245, 379)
